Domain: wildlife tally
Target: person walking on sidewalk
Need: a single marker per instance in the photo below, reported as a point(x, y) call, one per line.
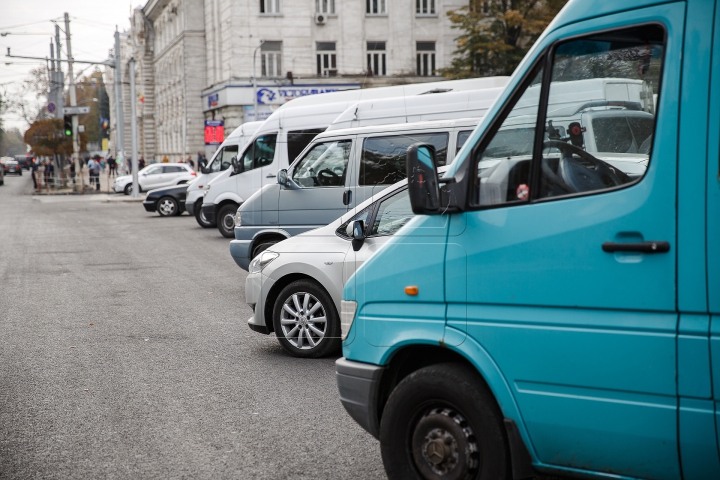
point(34, 173)
point(91, 171)
point(96, 173)
point(141, 163)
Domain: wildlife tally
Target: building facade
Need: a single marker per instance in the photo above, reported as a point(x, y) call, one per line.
point(313, 46)
point(201, 60)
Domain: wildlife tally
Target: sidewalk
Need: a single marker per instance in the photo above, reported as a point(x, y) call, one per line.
point(106, 182)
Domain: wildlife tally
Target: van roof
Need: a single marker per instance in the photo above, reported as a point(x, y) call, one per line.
point(247, 128)
point(451, 105)
point(401, 127)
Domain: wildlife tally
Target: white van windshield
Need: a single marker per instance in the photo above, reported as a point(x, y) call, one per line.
point(325, 165)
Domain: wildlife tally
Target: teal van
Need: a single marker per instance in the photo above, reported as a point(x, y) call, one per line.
point(556, 308)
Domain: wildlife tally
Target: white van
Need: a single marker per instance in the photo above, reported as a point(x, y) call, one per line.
point(420, 108)
point(288, 130)
point(337, 171)
point(219, 163)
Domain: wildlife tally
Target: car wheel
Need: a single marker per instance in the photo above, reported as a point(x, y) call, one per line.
point(128, 189)
point(306, 321)
point(442, 422)
point(167, 207)
point(261, 247)
point(226, 220)
point(201, 218)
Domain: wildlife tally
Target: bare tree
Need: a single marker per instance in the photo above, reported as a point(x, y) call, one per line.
point(30, 96)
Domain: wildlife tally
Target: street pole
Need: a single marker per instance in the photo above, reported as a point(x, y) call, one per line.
point(73, 103)
point(133, 128)
point(255, 104)
point(60, 81)
point(119, 115)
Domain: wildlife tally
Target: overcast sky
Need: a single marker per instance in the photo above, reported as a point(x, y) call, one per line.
point(92, 24)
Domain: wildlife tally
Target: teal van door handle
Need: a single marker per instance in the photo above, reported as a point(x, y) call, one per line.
point(643, 247)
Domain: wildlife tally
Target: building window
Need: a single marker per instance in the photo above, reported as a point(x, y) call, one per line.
point(376, 58)
point(271, 59)
point(425, 7)
point(375, 7)
point(425, 59)
point(326, 59)
point(325, 6)
point(269, 6)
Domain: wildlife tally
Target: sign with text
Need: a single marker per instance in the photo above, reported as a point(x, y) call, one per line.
point(75, 110)
point(214, 132)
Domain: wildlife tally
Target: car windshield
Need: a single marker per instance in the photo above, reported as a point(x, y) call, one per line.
point(623, 134)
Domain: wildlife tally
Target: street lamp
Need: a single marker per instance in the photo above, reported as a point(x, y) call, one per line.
point(255, 104)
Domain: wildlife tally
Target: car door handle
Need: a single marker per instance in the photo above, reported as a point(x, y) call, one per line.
point(643, 247)
point(272, 175)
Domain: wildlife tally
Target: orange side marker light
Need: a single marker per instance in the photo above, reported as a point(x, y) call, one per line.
point(411, 290)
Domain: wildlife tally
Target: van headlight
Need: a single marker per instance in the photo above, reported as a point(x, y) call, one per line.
point(347, 316)
point(205, 192)
point(261, 261)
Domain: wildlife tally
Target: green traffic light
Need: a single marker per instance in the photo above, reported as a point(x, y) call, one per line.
point(68, 133)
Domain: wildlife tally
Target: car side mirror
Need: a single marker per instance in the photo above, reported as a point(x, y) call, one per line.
point(357, 234)
point(422, 177)
point(205, 170)
point(236, 166)
point(282, 177)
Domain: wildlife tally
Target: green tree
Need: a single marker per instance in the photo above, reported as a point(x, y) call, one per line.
point(496, 34)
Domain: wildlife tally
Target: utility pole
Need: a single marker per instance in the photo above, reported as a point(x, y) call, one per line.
point(133, 127)
point(119, 115)
point(59, 79)
point(254, 82)
point(73, 103)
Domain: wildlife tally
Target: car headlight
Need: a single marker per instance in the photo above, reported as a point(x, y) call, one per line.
point(262, 260)
point(347, 316)
point(238, 220)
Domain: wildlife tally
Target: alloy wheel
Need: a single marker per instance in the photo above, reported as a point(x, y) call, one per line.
point(166, 207)
point(303, 321)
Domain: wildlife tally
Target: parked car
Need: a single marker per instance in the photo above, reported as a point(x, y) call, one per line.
point(218, 164)
point(10, 165)
point(295, 286)
point(281, 138)
point(337, 171)
point(568, 323)
point(155, 176)
point(167, 201)
point(2, 175)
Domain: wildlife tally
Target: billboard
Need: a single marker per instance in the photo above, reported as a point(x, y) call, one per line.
point(214, 132)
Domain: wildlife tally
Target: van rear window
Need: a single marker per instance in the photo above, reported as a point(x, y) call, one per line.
point(383, 158)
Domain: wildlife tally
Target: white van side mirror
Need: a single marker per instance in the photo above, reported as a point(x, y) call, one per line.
point(282, 177)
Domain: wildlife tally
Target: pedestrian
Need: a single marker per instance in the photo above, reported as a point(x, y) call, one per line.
point(191, 163)
point(72, 169)
point(34, 170)
point(141, 163)
point(49, 170)
point(96, 173)
point(203, 161)
point(91, 171)
point(165, 159)
point(111, 166)
point(199, 160)
point(129, 166)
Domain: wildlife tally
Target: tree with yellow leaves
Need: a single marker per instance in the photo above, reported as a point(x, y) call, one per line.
point(497, 34)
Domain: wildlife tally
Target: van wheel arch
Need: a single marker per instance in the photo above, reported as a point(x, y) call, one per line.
point(412, 358)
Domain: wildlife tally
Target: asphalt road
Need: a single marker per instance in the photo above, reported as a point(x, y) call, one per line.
point(124, 353)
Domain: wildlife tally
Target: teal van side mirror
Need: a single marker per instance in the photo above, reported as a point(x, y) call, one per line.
point(422, 179)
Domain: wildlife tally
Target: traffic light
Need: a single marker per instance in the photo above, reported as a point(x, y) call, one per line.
point(67, 119)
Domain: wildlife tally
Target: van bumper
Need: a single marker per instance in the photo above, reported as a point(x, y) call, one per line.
point(190, 207)
point(240, 251)
point(359, 384)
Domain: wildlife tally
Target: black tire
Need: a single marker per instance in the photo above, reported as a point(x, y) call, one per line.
point(200, 217)
point(225, 220)
point(261, 247)
point(168, 207)
point(304, 326)
point(128, 189)
point(442, 422)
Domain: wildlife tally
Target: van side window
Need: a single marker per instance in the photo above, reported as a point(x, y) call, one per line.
point(461, 139)
point(601, 111)
point(298, 140)
point(260, 153)
point(393, 213)
point(503, 165)
point(325, 165)
point(383, 158)
point(222, 159)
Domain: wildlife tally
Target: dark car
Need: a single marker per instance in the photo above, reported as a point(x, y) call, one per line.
point(167, 201)
point(25, 161)
point(11, 166)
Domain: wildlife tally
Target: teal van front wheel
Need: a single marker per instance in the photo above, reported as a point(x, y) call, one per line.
point(442, 422)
